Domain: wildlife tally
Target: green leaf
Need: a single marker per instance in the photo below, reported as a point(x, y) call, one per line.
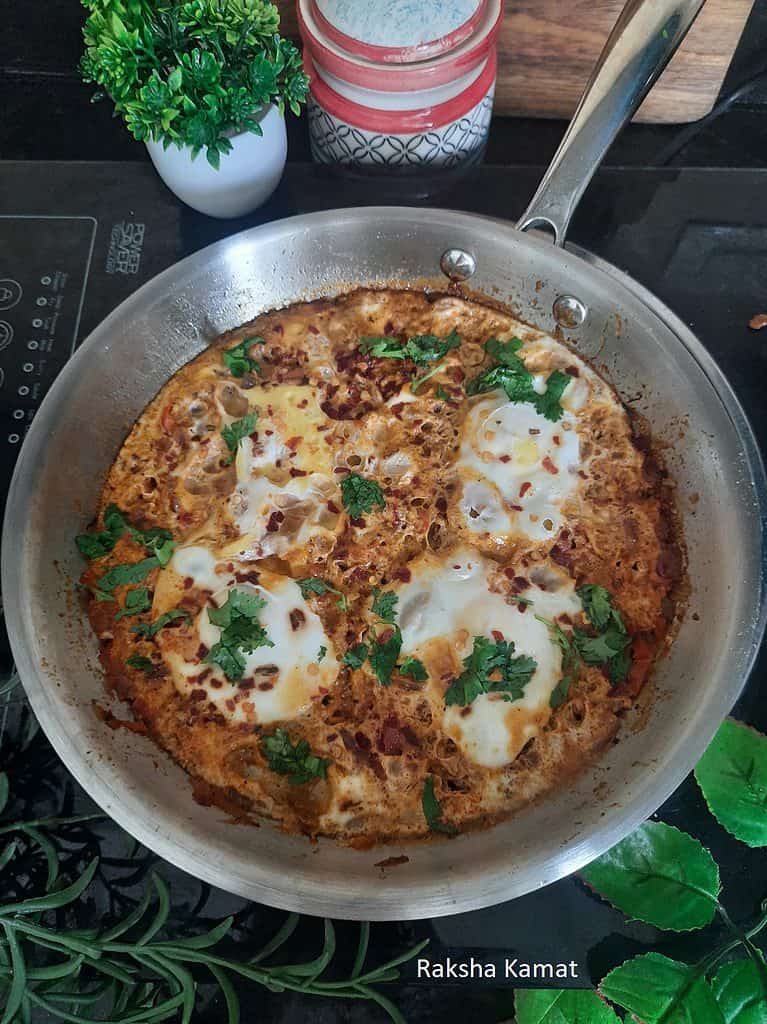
point(561, 1006)
point(491, 667)
point(356, 656)
point(241, 631)
point(548, 404)
point(658, 875)
point(739, 994)
point(15, 994)
point(123, 575)
point(237, 431)
point(384, 605)
point(432, 810)
point(657, 990)
point(136, 601)
point(295, 760)
point(415, 669)
point(4, 791)
point(229, 993)
point(321, 652)
point(597, 604)
point(151, 629)
point(318, 586)
point(383, 656)
point(733, 777)
point(140, 662)
point(505, 352)
point(238, 361)
point(53, 900)
point(360, 495)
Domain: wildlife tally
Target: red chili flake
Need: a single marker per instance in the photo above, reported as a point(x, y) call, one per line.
point(274, 521)
point(524, 488)
point(198, 695)
point(403, 574)
point(266, 686)
point(331, 736)
point(293, 442)
point(549, 466)
point(556, 439)
point(358, 522)
point(246, 684)
point(362, 741)
point(278, 329)
point(297, 472)
point(188, 582)
point(496, 634)
point(505, 458)
point(313, 329)
point(230, 704)
point(332, 507)
point(268, 433)
point(247, 577)
point(341, 470)
point(441, 505)
point(216, 684)
point(297, 619)
point(516, 508)
point(389, 327)
point(455, 373)
point(303, 403)
point(573, 371)
point(278, 462)
point(202, 651)
point(397, 408)
point(270, 410)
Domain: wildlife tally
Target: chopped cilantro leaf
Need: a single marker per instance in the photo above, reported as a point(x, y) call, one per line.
point(238, 430)
point(383, 656)
point(597, 604)
point(356, 656)
point(122, 575)
point(429, 348)
point(414, 668)
point(511, 374)
point(295, 760)
point(382, 346)
point(321, 653)
point(136, 601)
point(596, 650)
point(237, 360)
point(240, 631)
point(548, 404)
point(139, 662)
point(151, 629)
point(315, 585)
point(492, 667)
point(432, 810)
point(619, 666)
point(360, 495)
point(442, 394)
point(384, 604)
point(156, 540)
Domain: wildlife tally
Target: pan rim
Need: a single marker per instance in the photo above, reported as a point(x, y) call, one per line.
point(502, 884)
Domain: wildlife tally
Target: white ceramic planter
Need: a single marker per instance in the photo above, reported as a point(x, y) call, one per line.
point(246, 178)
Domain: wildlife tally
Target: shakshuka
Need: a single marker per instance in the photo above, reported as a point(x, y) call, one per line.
point(384, 565)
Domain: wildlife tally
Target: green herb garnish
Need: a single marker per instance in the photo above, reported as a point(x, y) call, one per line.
point(442, 394)
point(384, 654)
point(415, 669)
point(315, 585)
point(294, 760)
point(610, 645)
point(432, 810)
point(422, 349)
point(240, 631)
point(122, 575)
point(384, 604)
point(237, 360)
point(151, 629)
point(136, 601)
point(156, 540)
point(492, 667)
point(360, 495)
point(511, 375)
point(321, 653)
point(356, 656)
point(138, 661)
point(237, 431)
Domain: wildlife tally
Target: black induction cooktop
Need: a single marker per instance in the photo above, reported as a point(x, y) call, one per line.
point(78, 238)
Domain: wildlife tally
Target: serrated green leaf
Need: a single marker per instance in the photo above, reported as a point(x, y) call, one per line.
point(658, 990)
point(562, 1006)
point(733, 777)
point(739, 994)
point(659, 875)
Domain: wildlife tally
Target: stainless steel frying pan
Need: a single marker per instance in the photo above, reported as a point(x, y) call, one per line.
point(643, 349)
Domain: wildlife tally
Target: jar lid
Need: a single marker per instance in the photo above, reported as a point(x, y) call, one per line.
point(398, 31)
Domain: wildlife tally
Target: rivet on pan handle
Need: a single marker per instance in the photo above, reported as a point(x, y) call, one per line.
point(643, 41)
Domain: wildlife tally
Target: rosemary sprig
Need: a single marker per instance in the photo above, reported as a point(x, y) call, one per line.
point(136, 971)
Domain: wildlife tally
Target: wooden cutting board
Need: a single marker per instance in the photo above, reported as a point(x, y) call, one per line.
point(547, 49)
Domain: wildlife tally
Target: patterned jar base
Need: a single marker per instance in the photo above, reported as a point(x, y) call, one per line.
point(333, 141)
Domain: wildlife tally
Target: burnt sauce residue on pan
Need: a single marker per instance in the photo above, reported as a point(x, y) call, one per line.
point(384, 566)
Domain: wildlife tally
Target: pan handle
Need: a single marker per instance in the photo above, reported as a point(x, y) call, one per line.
point(640, 45)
